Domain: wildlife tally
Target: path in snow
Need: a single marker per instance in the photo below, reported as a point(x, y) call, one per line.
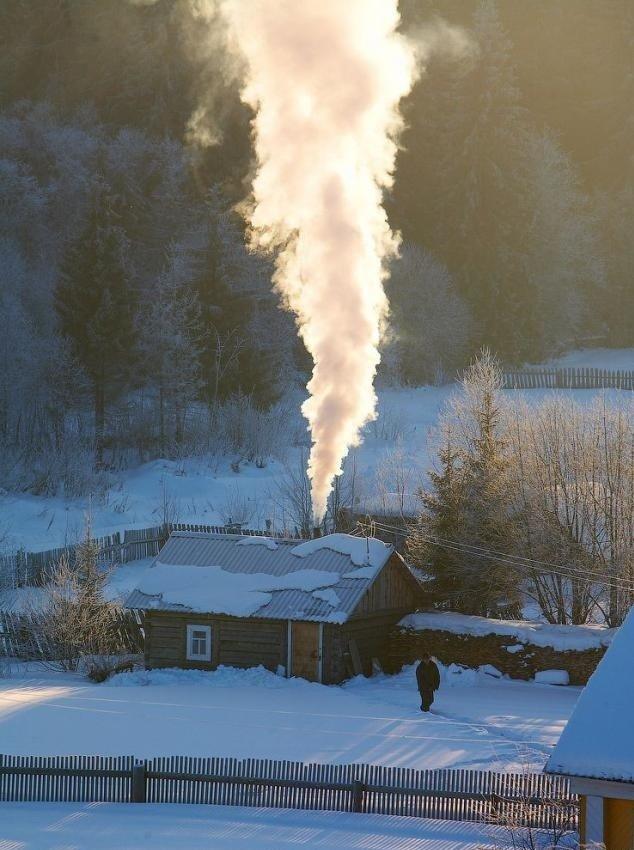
point(108, 826)
point(502, 725)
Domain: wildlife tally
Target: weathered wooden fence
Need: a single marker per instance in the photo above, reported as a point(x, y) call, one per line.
point(34, 568)
point(22, 637)
point(569, 379)
point(524, 799)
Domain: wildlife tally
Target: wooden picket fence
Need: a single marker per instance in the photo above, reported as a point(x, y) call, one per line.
point(34, 568)
point(569, 379)
point(523, 799)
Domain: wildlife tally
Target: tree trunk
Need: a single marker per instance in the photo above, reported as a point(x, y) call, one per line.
point(100, 422)
point(162, 420)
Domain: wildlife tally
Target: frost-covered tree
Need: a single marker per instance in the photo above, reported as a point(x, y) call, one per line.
point(169, 346)
point(230, 289)
point(573, 490)
point(430, 323)
point(565, 270)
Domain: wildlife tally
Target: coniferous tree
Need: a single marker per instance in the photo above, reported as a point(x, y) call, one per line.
point(95, 307)
point(565, 270)
point(439, 523)
point(467, 514)
point(229, 289)
point(488, 521)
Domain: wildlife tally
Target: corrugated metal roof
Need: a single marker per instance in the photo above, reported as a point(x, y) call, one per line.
point(222, 550)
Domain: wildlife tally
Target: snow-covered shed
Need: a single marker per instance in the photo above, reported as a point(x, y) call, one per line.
point(596, 748)
point(320, 608)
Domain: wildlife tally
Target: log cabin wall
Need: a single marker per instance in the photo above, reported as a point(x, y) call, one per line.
point(370, 635)
point(394, 594)
point(395, 589)
point(235, 641)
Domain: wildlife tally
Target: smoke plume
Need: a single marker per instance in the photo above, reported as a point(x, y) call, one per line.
point(325, 80)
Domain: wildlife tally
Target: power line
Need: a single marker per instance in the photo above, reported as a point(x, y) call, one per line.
point(523, 560)
point(490, 552)
point(527, 563)
point(517, 561)
point(569, 573)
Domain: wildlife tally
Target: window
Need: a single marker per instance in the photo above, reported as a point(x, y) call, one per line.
point(198, 643)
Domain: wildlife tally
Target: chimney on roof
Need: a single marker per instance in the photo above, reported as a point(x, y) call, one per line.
point(316, 532)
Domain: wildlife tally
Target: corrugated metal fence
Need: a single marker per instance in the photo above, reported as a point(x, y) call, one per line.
point(569, 379)
point(524, 799)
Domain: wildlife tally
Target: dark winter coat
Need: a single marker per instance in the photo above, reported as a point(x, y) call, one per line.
point(427, 676)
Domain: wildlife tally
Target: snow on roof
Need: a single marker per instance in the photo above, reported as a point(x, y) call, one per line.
point(525, 631)
point(220, 573)
point(217, 591)
point(258, 541)
point(598, 741)
point(362, 551)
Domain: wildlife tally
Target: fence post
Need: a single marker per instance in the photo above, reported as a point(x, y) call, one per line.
point(138, 782)
point(357, 795)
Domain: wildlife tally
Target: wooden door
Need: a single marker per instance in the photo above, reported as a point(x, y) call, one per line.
point(305, 650)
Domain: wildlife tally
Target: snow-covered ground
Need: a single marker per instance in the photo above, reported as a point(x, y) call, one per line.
point(597, 358)
point(478, 722)
point(108, 826)
point(206, 490)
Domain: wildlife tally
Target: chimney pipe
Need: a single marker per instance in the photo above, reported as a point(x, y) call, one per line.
point(316, 532)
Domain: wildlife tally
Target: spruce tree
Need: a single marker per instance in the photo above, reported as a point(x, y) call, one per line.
point(94, 303)
point(487, 518)
point(466, 515)
point(441, 520)
point(228, 290)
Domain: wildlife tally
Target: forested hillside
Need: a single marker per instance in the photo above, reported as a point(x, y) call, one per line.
point(131, 313)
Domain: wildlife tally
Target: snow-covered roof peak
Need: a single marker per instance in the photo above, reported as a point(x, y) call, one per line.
point(362, 551)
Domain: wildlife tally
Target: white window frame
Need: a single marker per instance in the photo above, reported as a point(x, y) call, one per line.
point(191, 655)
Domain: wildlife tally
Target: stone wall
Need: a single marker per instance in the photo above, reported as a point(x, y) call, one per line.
point(521, 662)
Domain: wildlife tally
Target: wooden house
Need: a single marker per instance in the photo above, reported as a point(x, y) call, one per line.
point(320, 609)
point(596, 749)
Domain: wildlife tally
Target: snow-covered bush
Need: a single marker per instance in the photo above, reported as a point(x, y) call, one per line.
point(99, 668)
point(73, 620)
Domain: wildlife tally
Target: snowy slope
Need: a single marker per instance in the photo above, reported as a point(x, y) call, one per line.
point(205, 489)
point(597, 358)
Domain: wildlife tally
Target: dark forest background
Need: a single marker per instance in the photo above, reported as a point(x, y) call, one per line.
point(127, 298)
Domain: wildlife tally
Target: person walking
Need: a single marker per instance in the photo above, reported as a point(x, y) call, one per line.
point(428, 680)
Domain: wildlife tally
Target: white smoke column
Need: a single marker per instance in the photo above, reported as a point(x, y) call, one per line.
point(325, 79)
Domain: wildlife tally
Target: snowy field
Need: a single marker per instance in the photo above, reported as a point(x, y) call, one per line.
point(107, 826)
point(478, 722)
point(206, 490)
